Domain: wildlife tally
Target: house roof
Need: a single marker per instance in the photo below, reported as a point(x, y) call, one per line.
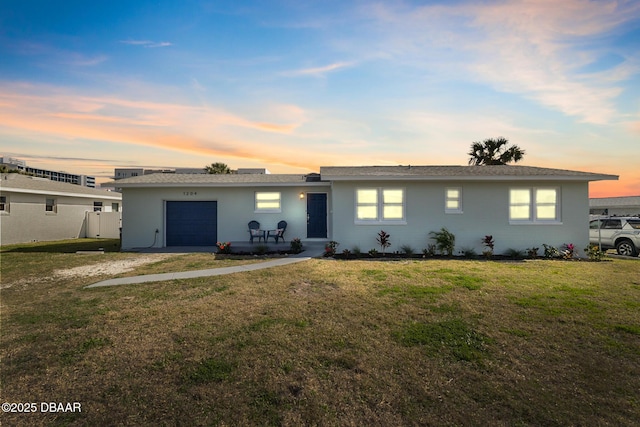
point(209, 180)
point(501, 172)
point(19, 183)
point(610, 202)
point(358, 173)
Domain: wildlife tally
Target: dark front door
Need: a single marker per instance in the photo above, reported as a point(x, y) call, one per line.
point(317, 215)
point(192, 223)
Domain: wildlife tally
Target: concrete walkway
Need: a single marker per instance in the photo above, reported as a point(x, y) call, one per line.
point(313, 250)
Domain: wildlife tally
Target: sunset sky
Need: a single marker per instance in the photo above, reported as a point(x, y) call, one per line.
point(88, 86)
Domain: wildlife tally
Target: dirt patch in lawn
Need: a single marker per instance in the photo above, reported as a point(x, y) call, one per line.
point(111, 268)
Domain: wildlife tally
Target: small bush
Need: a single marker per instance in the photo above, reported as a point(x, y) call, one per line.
point(330, 248)
point(356, 251)
point(469, 253)
point(532, 252)
point(262, 249)
point(429, 251)
point(373, 252)
point(550, 251)
point(296, 246)
point(568, 250)
point(407, 250)
point(594, 253)
point(383, 240)
point(224, 247)
point(489, 243)
point(445, 241)
point(346, 253)
point(514, 253)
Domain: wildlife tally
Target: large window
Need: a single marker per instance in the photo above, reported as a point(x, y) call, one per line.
point(534, 205)
point(268, 201)
point(380, 205)
point(50, 206)
point(453, 200)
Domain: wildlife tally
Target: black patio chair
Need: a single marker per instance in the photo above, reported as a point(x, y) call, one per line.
point(254, 231)
point(278, 233)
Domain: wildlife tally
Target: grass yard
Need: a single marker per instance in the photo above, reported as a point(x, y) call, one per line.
point(323, 342)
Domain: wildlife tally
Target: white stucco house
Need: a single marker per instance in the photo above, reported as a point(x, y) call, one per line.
point(520, 206)
point(38, 209)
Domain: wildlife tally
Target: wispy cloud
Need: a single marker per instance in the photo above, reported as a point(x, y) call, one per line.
point(146, 43)
point(532, 48)
point(319, 71)
point(204, 130)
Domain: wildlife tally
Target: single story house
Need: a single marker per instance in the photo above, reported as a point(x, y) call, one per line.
point(521, 206)
point(615, 206)
point(38, 209)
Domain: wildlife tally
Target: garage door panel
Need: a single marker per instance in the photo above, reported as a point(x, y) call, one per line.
point(192, 223)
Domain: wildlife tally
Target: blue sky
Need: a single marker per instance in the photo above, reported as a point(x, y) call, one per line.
point(291, 85)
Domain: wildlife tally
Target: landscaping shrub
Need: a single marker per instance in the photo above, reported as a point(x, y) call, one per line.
point(429, 251)
point(330, 248)
point(489, 243)
point(594, 253)
point(383, 240)
point(445, 241)
point(550, 251)
point(296, 246)
point(514, 253)
point(407, 250)
point(224, 247)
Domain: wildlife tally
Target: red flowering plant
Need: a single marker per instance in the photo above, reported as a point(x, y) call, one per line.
point(568, 250)
point(224, 247)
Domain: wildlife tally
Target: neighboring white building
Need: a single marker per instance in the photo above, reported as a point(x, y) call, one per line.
point(38, 209)
point(71, 178)
point(615, 206)
point(520, 206)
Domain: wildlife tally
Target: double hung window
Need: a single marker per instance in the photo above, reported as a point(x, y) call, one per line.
point(380, 205)
point(453, 200)
point(534, 205)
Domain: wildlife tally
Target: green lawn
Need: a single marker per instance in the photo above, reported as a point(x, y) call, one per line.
point(323, 342)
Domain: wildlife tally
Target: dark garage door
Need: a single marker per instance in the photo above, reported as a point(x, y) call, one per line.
point(192, 223)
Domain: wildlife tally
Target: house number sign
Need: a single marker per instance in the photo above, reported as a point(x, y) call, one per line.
point(189, 193)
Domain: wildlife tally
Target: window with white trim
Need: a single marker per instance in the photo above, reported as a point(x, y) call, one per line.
point(4, 204)
point(453, 200)
point(534, 205)
point(380, 205)
point(268, 201)
point(50, 206)
point(97, 206)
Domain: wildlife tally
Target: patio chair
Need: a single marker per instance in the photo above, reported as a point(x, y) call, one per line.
point(254, 231)
point(278, 233)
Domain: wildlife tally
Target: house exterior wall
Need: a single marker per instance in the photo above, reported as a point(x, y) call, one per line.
point(485, 207)
point(145, 212)
point(27, 221)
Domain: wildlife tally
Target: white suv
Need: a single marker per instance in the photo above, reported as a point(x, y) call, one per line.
point(621, 233)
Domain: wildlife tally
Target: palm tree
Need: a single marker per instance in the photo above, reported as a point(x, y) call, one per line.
point(494, 152)
point(217, 168)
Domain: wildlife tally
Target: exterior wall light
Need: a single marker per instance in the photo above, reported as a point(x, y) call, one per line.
point(301, 195)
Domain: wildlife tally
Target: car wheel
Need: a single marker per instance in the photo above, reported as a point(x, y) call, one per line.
point(626, 248)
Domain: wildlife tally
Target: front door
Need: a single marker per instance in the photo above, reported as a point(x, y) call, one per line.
point(317, 215)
